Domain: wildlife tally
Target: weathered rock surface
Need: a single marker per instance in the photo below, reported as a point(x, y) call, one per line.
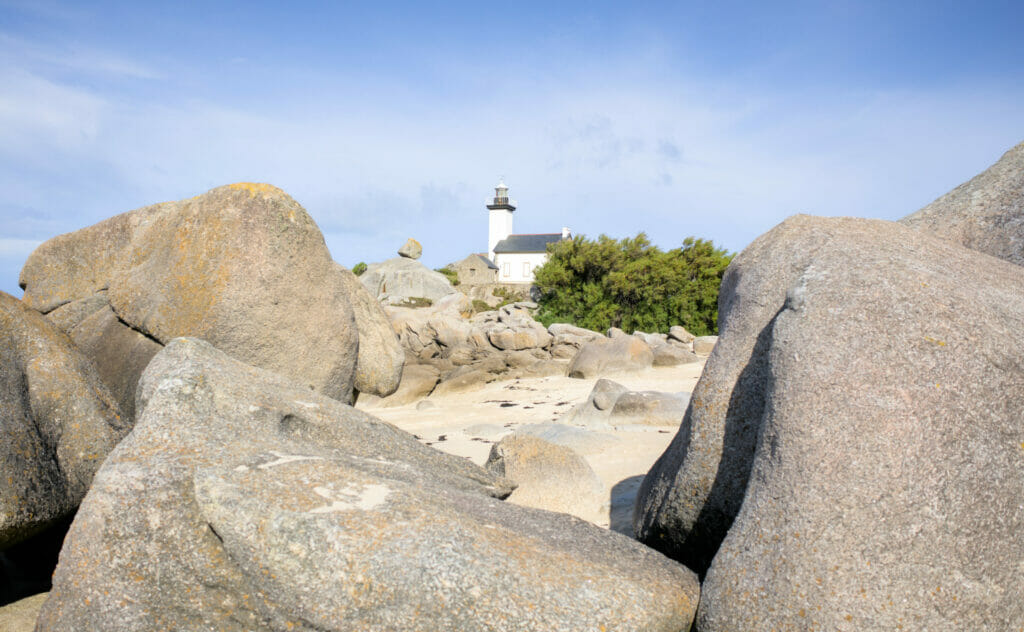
point(119, 352)
point(985, 214)
point(242, 266)
point(595, 411)
point(649, 408)
point(381, 358)
point(411, 249)
point(59, 422)
point(244, 502)
point(618, 354)
point(548, 476)
point(877, 482)
point(397, 280)
point(578, 440)
point(704, 345)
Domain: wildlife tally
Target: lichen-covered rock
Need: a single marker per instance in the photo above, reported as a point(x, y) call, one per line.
point(985, 213)
point(411, 249)
point(622, 353)
point(59, 422)
point(244, 502)
point(242, 266)
point(548, 476)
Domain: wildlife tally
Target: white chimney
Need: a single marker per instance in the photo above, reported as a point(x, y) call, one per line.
point(566, 233)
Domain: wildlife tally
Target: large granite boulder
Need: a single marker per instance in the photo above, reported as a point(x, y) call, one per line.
point(398, 280)
point(58, 422)
point(242, 266)
point(548, 476)
point(620, 354)
point(243, 501)
point(692, 493)
point(649, 408)
point(985, 213)
point(885, 476)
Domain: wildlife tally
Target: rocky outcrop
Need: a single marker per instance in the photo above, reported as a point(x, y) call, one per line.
point(704, 345)
point(242, 266)
point(399, 280)
point(243, 501)
point(876, 483)
point(612, 404)
point(59, 422)
point(612, 355)
point(985, 214)
point(411, 249)
point(548, 476)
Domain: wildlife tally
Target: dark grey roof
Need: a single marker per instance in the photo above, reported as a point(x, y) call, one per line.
point(527, 243)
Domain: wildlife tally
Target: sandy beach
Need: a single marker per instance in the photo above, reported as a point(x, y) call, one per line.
point(468, 423)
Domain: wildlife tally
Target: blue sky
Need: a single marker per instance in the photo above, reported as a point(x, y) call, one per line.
point(394, 120)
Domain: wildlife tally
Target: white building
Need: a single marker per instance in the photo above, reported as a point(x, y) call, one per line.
point(515, 256)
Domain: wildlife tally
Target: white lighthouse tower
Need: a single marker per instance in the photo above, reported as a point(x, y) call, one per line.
point(499, 225)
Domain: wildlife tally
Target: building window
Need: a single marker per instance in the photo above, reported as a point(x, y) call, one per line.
point(506, 269)
point(526, 269)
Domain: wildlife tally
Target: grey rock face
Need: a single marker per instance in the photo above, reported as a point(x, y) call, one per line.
point(242, 266)
point(411, 249)
point(59, 422)
point(693, 492)
point(618, 354)
point(399, 279)
point(548, 476)
point(243, 502)
point(578, 440)
point(381, 358)
point(985, 214)
point(596, 410)
point(119, 352)
point(890, 466)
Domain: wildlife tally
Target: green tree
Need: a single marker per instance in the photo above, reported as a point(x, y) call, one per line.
point(632, 284)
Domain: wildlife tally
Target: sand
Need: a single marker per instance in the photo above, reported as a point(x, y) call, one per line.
point(467, 424)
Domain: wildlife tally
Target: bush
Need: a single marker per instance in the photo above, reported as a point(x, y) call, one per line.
point(480, 306)
point(359, 268)
point(452, 275)
point(632, 284)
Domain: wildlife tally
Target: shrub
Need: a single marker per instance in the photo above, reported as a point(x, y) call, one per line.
point(452, 275)
point(632, 284)
point(415, 301)
point(359, 268)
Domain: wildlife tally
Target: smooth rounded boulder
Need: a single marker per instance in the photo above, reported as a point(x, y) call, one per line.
point(548, 476)
point(58, 421)
point(242, 501)
point(620, 354)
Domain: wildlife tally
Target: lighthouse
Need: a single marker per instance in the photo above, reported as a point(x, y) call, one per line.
point(499, 225)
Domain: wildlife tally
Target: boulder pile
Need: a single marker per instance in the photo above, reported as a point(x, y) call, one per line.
point(450, 349)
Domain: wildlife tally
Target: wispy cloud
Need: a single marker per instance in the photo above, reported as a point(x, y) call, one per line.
point(71, 57)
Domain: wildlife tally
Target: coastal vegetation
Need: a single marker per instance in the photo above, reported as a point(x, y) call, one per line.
point(632, 284)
